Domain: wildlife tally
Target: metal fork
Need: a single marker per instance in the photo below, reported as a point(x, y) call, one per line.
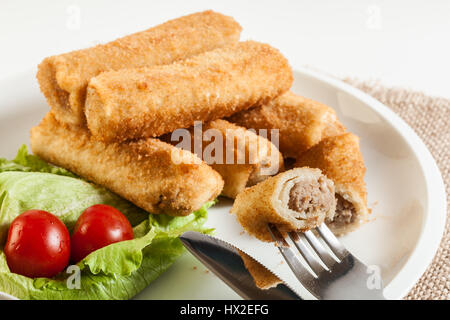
point(332, 276)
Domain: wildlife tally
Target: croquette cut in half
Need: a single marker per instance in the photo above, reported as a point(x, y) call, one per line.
point(340, 159)
point(295, 200)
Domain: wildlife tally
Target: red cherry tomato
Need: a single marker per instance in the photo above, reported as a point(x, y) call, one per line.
point(97, 227)
point(38, 245)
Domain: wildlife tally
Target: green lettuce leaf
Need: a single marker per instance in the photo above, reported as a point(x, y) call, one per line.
point(118, 271)
point(30, 163)
point(158, 257)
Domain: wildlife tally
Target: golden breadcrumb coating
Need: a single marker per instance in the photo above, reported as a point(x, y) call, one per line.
point(144, 172)
point(270, 201)
point(302, 122)
point(240, 156)
point(264, 279)
point(340, 159)
point(63, 78)
point(149, 102)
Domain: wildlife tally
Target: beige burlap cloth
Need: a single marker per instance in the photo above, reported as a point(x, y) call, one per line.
point(430, 118)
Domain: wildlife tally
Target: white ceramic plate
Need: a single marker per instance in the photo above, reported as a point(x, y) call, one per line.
point(406, 191)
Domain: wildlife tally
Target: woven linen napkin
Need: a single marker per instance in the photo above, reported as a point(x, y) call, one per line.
point(430, 119)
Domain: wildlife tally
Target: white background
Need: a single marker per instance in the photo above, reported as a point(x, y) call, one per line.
point(401, 43)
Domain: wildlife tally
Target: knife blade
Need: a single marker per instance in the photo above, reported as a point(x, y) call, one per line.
point(225, 262)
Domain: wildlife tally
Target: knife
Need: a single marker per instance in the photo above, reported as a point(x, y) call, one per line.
point(225, 262)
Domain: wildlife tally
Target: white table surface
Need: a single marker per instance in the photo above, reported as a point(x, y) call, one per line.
point(402, 43)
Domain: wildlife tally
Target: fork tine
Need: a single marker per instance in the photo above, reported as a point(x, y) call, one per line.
point(321, 251)
point(306, 253)
point(302, 274)
point(334, 244)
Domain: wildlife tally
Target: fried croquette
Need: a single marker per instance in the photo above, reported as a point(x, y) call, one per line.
point(301, 122)
point(63, 78)
point(148, 102)
point(242, 157)
point(150, 173)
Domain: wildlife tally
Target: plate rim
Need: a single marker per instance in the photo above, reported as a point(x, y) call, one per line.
point(433, 226)
point(434, 223)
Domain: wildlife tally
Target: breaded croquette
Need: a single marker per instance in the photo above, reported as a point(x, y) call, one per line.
point(150, 173)
point(149, 102)
point(302, 122)
point(63, 78)
point(240, 156)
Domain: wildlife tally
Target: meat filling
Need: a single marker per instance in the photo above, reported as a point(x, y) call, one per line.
point(311, 197)
point(345, 211)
